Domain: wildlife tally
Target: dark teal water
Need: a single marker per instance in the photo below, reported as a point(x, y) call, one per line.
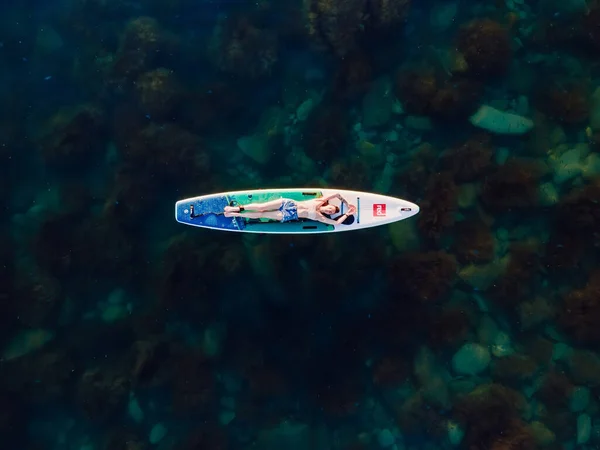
point(474, 325)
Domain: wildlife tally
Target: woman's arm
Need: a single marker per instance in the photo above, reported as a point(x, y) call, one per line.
point(329, 197)
point(338, 221)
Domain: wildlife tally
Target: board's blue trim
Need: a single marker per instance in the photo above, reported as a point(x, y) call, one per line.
point(357, 209)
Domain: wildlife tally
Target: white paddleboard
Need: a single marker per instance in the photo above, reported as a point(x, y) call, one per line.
point(207, 211)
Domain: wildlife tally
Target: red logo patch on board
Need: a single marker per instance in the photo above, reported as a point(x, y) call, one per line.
point(379, 209)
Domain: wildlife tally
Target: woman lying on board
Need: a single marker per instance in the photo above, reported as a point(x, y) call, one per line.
point(285, 209)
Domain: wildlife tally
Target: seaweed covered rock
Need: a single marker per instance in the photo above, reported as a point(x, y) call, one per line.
point(438, 207)
point(102, 392)
point(565, 102)
point(326, 133)
point(537, 311)
point(74, 138)
point(214, 107)
point(129, 197)
point(13, 418)
point(116, 252)
point(390, 371)
point(334, 25)
point(431, 274)
point(589, 25)
point(240, 47)
point(514, 369)
point(186, 256)
point(352, 76)
point(579, 212)
point(584, 368)
point(146, 358)
point(387, 14)
point(341, 26)
point(7, 287)
point(52, 245)
point(123, 439)
point(469, 160)
point(490, 416)
point(512, 186)
point(41, 295)
point(143, 45)
point(158, 92)
point(518, 280)
point(423, 92)
point(351, 172)
point(41, 377)
point(416, 89)
point(486, 47)
point(208, 437)
point(166, 151)
point(564, 253)
point(555, 390)
point(64, 243)
point(193, 384)
point(413, 179)
point(580, 312)
point(416, 416)
point(448, 328)
point(473, 242)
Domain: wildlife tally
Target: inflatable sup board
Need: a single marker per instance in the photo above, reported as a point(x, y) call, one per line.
point(207, 211)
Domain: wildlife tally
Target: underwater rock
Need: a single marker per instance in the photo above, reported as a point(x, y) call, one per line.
point(580, 399)
point(584, 429)
point(404, 235)
point(502, 345)
point(442, 15)
point(134, 409)
point(225, 417)
point(259, 145)
point(25, 342)
point(288, 435)
point(73, 137)
point(255, 147)
point(573, 163)
point(500, 122)
point(455, 433)
point(514, 369)
point(241, 48)
point(486, 47)
point(584, 367)
point(102, 392)
point(471, 359)
point(467, 195)
point(561, 351)
point(157, 433)
point(595, 110)
point(378, 104)
point(535, 312)
point(115, 308)
point(303, 111)
point(212, 339)
point(419, 123)
point(481, 276)
point(542, 435)
point(385, 438)
point(548, 194)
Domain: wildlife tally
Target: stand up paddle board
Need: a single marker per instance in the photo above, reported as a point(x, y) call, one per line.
point(207, 211)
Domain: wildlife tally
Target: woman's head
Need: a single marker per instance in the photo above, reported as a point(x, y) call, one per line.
point(329, 209)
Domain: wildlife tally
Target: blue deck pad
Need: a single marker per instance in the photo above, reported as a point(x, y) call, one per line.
point(209, 212)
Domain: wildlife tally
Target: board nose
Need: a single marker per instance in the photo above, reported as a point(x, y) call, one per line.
point(408, 209)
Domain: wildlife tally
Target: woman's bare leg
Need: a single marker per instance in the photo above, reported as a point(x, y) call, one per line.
point(266, 206)
point(272, 215)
